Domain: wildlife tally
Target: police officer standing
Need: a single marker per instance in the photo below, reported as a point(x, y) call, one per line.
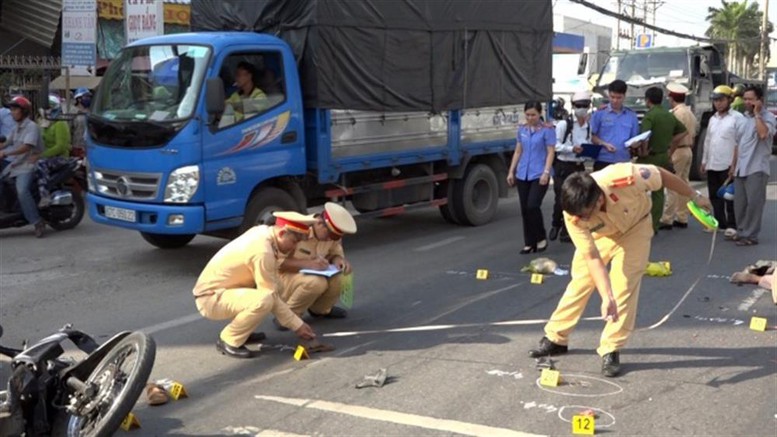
point(607, 214)
point(681, 155)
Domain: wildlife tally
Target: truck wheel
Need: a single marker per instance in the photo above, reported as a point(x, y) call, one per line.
point(476, 197)
point(446, 210)
point(265, 202)
point(698, 152)
point(167, 241)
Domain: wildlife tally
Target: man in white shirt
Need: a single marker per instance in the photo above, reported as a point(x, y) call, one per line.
point(719, 145)
point(571, 133)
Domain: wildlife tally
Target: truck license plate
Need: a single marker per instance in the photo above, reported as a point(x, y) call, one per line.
point(126, 215)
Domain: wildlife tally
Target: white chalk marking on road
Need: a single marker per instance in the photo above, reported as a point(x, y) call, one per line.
point(752, 299)
point(497, 372)
point(440, 243)
point(275, 433)
point(582, 395)
point(153, 329)
point(445, 425)
point(443, 327)
point(547, 407)
point(599, 423)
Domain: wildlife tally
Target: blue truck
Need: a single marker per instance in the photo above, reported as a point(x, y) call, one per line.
point(179, 143)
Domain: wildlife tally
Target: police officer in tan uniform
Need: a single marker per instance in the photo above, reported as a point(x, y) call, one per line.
point(608, 217)
point(241, 283)
point(318, 294)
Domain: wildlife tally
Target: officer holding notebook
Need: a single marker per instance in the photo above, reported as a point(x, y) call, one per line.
point(317, 293)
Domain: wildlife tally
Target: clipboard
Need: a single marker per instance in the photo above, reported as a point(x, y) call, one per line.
point(590, 151)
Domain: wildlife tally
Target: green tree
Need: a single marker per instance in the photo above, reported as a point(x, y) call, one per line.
point(740, 24)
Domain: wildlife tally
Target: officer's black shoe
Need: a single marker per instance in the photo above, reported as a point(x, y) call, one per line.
point(234, 352)
point(665, 227)
point(278, 325)
point(611, 364)
point(547, 348)
point(680, 225)
point(256, 337)
point(334, 313)
point(553, 234)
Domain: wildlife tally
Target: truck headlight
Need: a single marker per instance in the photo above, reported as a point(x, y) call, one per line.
point(182, 184)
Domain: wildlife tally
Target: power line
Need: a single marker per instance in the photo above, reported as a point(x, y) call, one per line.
point(636, 21)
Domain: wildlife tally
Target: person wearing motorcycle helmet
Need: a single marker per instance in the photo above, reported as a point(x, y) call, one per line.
point(718, 156)
point(23, 146)
point(83, 99)
point(739, 103)
point(56, 147)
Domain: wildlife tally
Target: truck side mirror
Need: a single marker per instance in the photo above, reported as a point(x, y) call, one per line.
point(581, 66)
point(214, 97)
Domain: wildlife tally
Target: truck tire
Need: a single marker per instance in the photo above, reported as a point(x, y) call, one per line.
point(265, 202)
point(167, 241)
point(698, 152)
point(446, 211)
point(476, 197)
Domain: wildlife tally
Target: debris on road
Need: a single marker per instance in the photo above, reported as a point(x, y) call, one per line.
point(376, 380)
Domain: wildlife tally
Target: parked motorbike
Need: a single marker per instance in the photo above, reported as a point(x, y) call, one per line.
point(49, 394)
point(66, 185)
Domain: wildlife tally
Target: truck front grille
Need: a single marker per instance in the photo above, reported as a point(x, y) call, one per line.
point(126, 185)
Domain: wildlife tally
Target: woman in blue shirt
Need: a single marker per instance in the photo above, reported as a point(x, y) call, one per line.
point(530, 171)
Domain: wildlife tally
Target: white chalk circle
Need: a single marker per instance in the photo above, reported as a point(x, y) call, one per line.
point(585, 382)
point(604, 419)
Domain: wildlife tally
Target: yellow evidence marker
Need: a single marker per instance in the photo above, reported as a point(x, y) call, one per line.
point(550, 378)
point(130, 422)
point(758, 324)
point(301, 353)
point(482, 274)
point(537, 278)
point(178, 391)
point(583, 424)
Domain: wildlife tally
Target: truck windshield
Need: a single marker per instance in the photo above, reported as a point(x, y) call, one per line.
point(152, 84)
point(640, 68)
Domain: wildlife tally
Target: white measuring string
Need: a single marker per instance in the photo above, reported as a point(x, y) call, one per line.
point(523, 322)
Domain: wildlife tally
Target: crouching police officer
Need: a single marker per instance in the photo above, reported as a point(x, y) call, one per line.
point(241, 283)
point(314, 293)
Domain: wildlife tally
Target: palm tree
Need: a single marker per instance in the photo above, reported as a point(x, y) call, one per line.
point(739, 23)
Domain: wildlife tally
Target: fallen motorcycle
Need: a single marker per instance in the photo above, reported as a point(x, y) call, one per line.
point(49, 394)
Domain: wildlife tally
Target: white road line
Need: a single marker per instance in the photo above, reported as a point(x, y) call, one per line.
point(752, 299)
point(438, 244)
point(153, 329)
point(452, 426)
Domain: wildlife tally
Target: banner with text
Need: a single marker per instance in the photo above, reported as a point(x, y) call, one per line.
point(79, 33)
point(143, 18)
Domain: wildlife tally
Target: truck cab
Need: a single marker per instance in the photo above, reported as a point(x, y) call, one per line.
point(699, 68)
point(166, 166)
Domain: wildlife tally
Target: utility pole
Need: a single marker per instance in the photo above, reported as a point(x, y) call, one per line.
point(764, 40)
point(618, 34)
point(633, 7)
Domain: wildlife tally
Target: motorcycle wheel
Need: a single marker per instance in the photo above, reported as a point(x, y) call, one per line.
point(76, 214)
point(118, 390)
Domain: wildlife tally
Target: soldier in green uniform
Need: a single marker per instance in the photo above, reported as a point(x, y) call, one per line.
point(665, 129)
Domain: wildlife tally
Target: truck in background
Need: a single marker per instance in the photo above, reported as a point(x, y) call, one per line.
point(377, 114)
point(699, 68)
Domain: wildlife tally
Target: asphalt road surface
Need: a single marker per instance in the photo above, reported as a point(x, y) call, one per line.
point(702, 372)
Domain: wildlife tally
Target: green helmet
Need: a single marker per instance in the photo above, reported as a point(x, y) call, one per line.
point(739, 89)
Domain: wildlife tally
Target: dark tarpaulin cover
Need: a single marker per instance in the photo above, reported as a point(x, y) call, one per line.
point(403, 55)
